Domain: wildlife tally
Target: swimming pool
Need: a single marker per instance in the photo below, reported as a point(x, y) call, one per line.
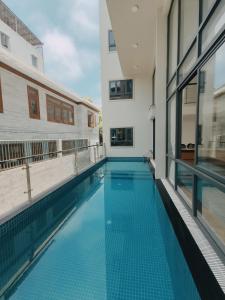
point(108, 237)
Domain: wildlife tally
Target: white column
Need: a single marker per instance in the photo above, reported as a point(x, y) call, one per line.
point(160, 82)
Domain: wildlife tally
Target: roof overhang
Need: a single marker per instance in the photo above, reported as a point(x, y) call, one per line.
point(134, 27)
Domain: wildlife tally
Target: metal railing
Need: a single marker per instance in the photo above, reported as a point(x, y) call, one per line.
point(24, 178)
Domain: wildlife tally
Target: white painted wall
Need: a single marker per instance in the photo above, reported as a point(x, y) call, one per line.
point(20, 48)
point(15, 123)
point(123, 113)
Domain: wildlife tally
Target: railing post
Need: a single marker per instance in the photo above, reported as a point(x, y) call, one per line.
point(97, 151)
point(27, 168)
point(75, 162)
point(95, 158)
point(59, 148)
point(104, 147)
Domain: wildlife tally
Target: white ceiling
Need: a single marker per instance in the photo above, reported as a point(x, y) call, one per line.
point(131, 28)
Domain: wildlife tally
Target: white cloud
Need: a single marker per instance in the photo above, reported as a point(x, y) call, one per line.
point(84, 17)
point(62, 56)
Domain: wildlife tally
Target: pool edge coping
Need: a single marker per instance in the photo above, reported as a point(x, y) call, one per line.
point(207, 268)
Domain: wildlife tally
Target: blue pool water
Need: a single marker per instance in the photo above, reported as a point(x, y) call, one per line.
point(112, 240)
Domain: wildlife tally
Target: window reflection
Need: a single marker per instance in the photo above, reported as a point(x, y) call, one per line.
point(173, 34)
point(211, 206)
point(211, 148)
point(171, 126)
point(214, 25)
point(184, 182)
point(188, 117)
point(188, 24)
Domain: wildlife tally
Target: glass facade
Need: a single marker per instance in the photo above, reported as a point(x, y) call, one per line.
point(188, 24)
point(211, 206)
point(185, 182)
point(173, 34)
point(196, 109)
point(211, 148)
point(214, 25)
point(171, 141)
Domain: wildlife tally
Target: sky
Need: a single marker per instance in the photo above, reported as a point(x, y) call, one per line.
point(69, 30)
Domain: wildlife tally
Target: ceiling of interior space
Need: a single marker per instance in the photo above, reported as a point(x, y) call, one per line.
point(135, 28)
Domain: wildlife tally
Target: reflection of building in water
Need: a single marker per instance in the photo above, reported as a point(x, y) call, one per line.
point(28, 234)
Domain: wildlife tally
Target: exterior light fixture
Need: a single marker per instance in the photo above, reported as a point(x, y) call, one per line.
point(135, 46)
point(135, 8)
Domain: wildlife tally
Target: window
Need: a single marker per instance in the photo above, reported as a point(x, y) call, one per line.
point(10, 151)
point(211, 206)
point(171, 126)
point(112, 42)
point(188, 116)
point(59, 111)
point(171, 170)
point(1, 100)
point(4, 40)
point(91, 119)
point(37, 150)
point(121, 89)
point(206, 6)
point(211, 127)
point(173, 37)
point(34, 61)
point(121, 136)
point(188, 24)
point(185, 183)
point(188, 63)
point(33, 101)
point(214, 25)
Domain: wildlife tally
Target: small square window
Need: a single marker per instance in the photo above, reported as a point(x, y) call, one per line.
point(4, 40)
point(34, 61)
point(121, 137)
point(121, 89)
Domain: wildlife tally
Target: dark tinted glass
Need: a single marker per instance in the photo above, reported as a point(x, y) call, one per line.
point(121, 136)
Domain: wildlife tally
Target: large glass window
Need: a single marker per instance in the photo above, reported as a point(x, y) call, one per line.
point(121, 89)
point(214, 25)
point(185, 182)
point(121, 136)
point(206, 5)
point(171, 126)
point(188, 24)
point(188, 63)
point(171, 170)
point(112, 42)
point(173, 37)
point(211, 205)
point(188, 121)
point(211, 128)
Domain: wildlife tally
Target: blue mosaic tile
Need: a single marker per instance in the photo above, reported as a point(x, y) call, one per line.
point(115, 242)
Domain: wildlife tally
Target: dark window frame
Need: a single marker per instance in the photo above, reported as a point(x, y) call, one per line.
point(91, 119)
point(202, 58)
point(112, 46)
point(1, 98)
point(33, 95)
point(121, 144)
point(123, 94)
point(54, 104)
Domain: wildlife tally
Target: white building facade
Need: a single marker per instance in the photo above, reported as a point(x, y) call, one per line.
point(32, 107)
point(163, 92)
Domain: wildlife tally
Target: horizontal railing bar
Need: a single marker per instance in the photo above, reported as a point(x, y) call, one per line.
point(14, 160)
